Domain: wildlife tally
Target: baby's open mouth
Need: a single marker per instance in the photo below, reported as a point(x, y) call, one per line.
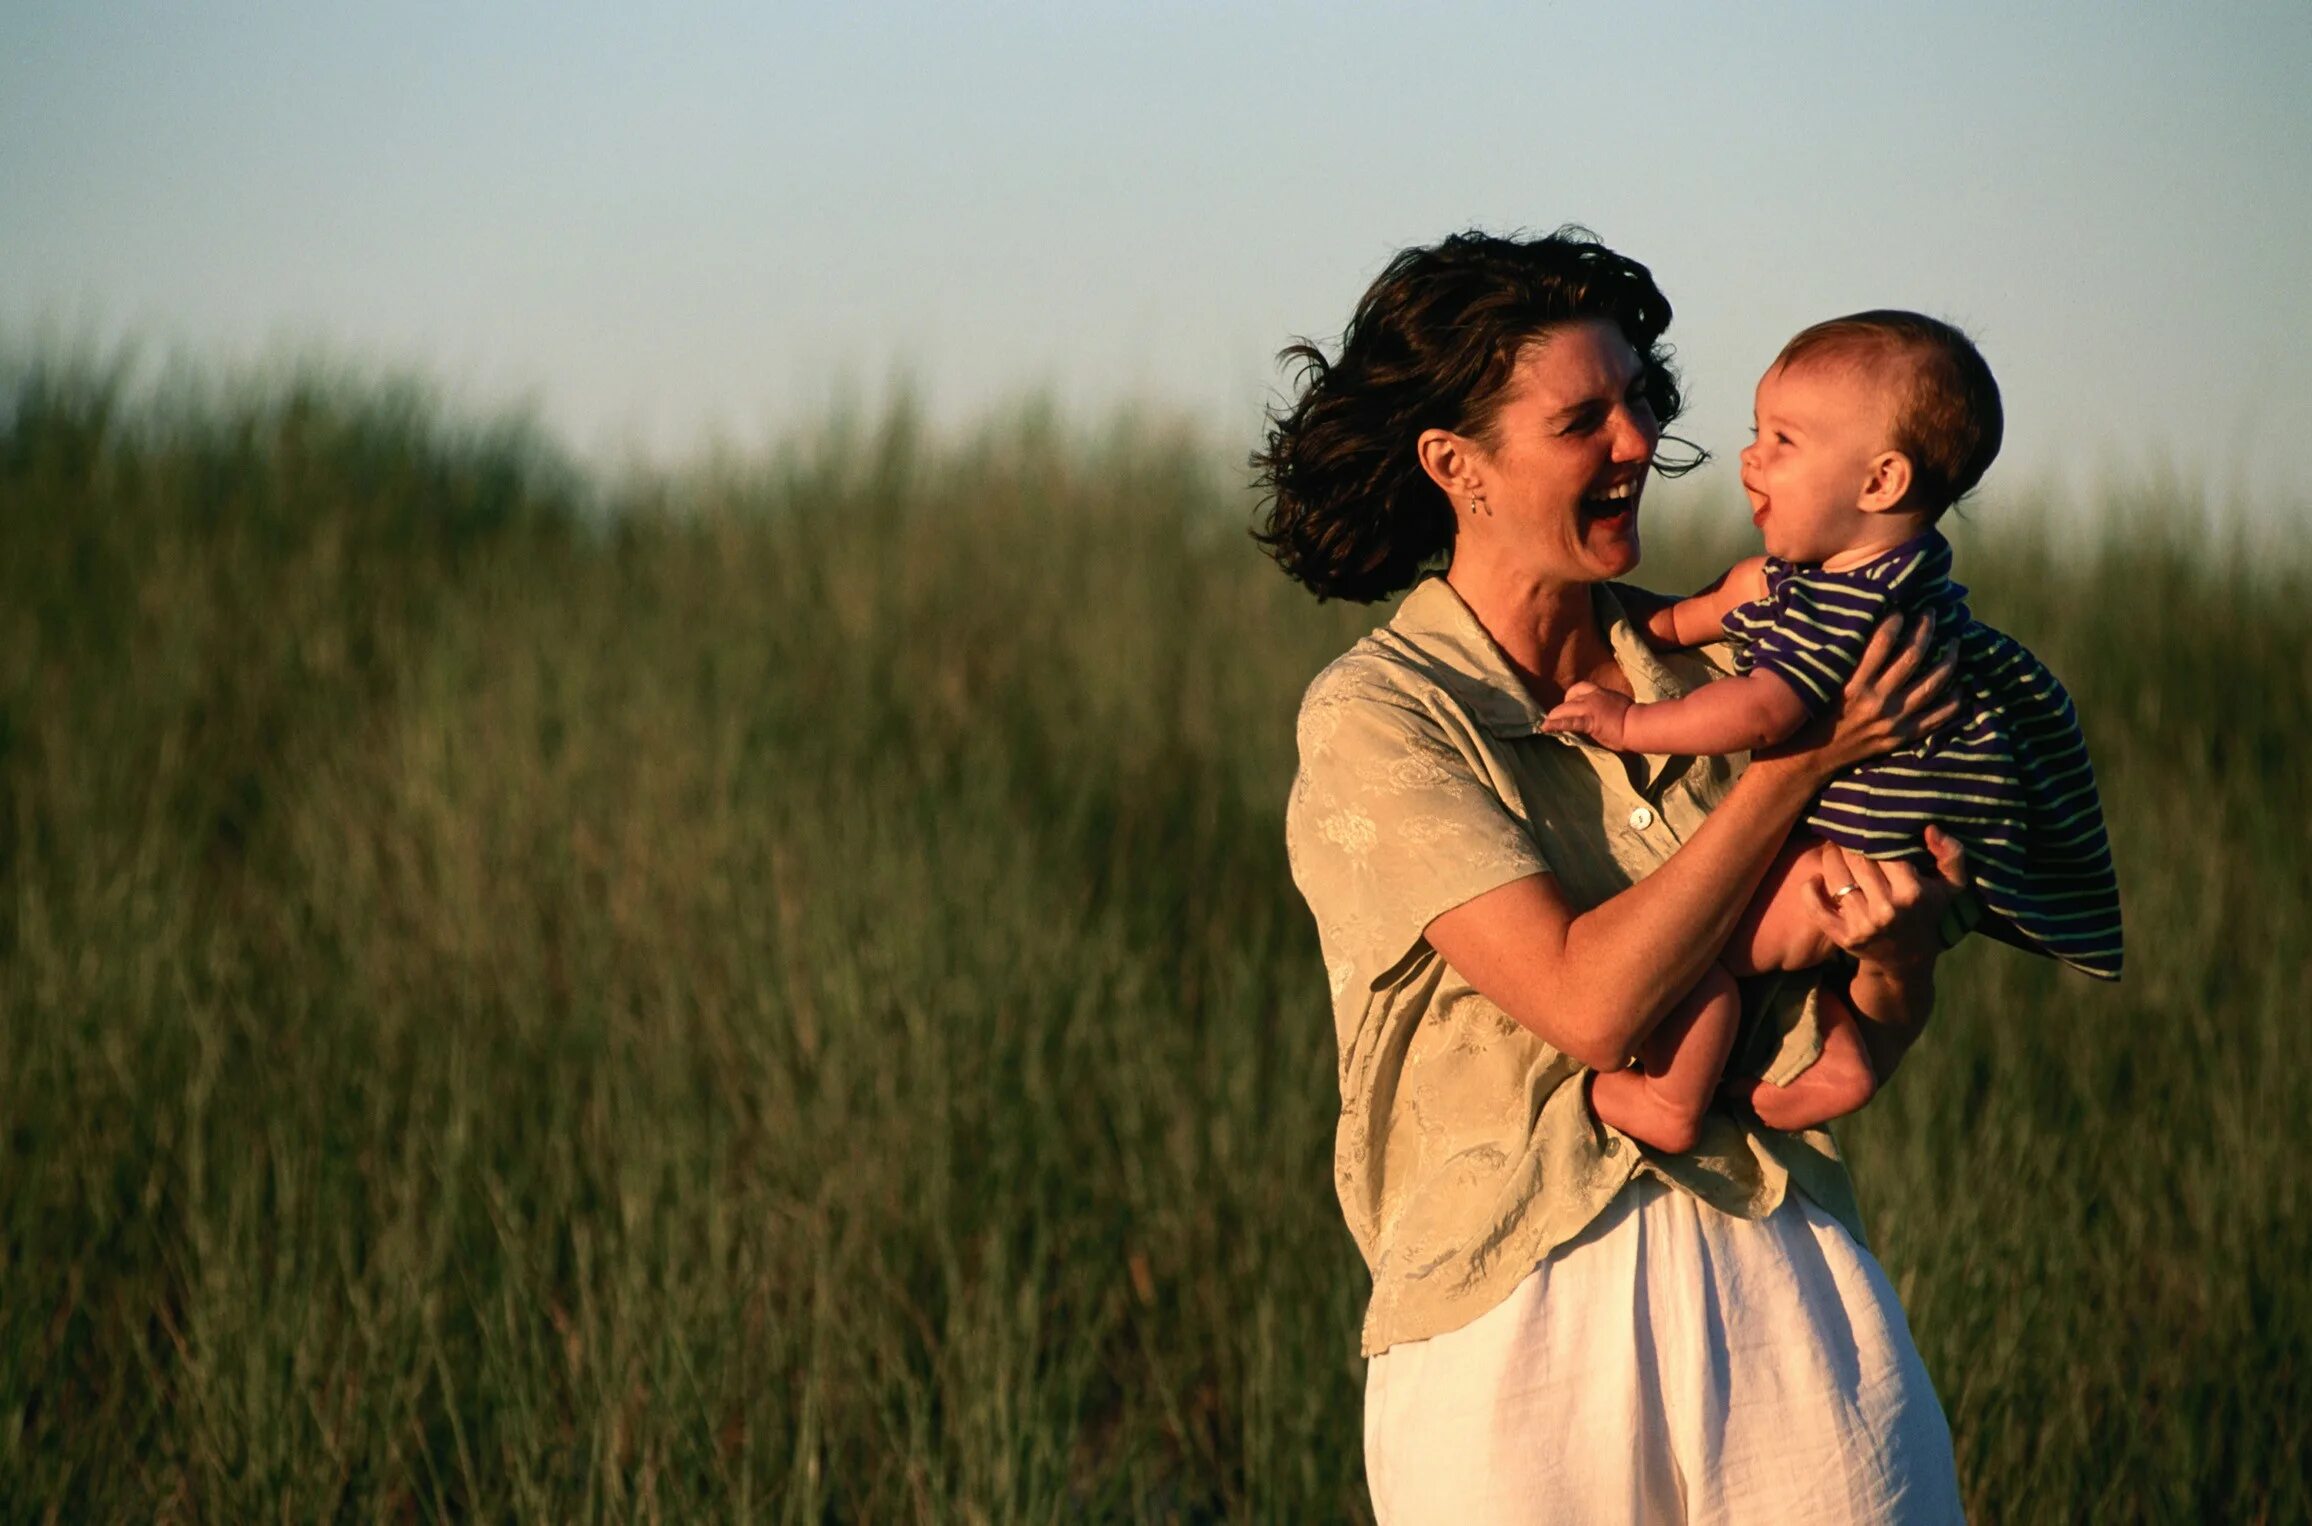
point(1612, 502)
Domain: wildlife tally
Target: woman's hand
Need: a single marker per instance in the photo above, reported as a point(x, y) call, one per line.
point(1894, 697)
point(1884, 911)
point(1890, 917)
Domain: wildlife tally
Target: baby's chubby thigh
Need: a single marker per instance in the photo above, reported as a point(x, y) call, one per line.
point(1779, 929)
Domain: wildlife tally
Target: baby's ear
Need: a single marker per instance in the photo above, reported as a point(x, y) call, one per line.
point(1888, 484)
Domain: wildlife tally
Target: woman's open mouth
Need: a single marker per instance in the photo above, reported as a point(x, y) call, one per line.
point(1616, 502)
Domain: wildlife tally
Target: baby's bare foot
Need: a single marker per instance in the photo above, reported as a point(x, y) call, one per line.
point(1625, 1099)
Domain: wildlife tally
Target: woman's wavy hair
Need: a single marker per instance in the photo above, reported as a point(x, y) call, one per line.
point(1349, 512)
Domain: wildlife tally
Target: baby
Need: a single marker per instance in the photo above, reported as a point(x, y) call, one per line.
point(1869, 427)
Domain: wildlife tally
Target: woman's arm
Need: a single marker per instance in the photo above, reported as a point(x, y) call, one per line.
point(1893, 927)
point(1593, 983)
point(1893, 1002)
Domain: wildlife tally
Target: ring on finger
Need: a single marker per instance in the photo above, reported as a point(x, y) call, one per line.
point(1845, 890)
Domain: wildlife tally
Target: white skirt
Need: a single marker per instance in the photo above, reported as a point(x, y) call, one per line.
point(1674, 1363)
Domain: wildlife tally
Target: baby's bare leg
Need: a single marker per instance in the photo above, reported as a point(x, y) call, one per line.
point(1839, 1082)
point(1661, 1100)
point(1777, 931)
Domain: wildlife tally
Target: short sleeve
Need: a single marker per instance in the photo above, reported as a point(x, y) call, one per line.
point(1811, 632)
point(1390, 825)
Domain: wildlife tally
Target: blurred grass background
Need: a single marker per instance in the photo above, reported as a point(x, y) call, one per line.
point(771, 992)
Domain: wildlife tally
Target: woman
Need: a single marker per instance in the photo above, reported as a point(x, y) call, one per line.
point(1565, 1326)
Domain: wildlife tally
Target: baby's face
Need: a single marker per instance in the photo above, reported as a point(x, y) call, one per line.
point(1819, 424)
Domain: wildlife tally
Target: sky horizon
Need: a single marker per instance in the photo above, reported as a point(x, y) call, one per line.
point(713, 223)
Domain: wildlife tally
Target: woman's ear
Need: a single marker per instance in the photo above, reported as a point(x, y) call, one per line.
point(1888, 484)
point(1451, 464)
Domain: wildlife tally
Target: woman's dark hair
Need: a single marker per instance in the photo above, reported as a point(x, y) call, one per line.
point(1432, 345)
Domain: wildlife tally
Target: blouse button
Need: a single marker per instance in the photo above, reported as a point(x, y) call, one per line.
point(1641, 818)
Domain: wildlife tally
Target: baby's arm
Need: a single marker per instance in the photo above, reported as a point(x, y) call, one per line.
point(1732, 715)
point(1701, 619)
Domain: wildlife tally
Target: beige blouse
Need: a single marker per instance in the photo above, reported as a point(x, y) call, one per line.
point(1466, 1151)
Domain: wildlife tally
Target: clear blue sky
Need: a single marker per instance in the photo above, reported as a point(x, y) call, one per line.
point(667, 224)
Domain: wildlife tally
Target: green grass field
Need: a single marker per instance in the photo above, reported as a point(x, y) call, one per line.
point(773, 994)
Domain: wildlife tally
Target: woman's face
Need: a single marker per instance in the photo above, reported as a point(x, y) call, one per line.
point(1567, 463)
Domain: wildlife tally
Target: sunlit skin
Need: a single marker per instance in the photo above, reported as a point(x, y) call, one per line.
point(1826, 484)
point(1546, 503)
point(1826, 487)
point(1564, 469)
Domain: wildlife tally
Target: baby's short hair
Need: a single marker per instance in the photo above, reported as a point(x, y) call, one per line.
point(1947, 415)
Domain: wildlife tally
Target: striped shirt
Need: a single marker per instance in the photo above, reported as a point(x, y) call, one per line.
point(2009, 777)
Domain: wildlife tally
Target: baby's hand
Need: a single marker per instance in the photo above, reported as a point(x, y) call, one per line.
point(1590, 711)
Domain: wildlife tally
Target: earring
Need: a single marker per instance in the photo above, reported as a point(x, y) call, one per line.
point(1477, 505)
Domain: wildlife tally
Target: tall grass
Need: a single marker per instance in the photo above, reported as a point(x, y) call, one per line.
point(782, 1001)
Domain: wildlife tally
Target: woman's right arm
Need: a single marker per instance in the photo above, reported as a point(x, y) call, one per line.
point(1593, 983)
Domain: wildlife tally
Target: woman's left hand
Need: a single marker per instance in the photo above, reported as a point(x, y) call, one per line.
point(1886, 912)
